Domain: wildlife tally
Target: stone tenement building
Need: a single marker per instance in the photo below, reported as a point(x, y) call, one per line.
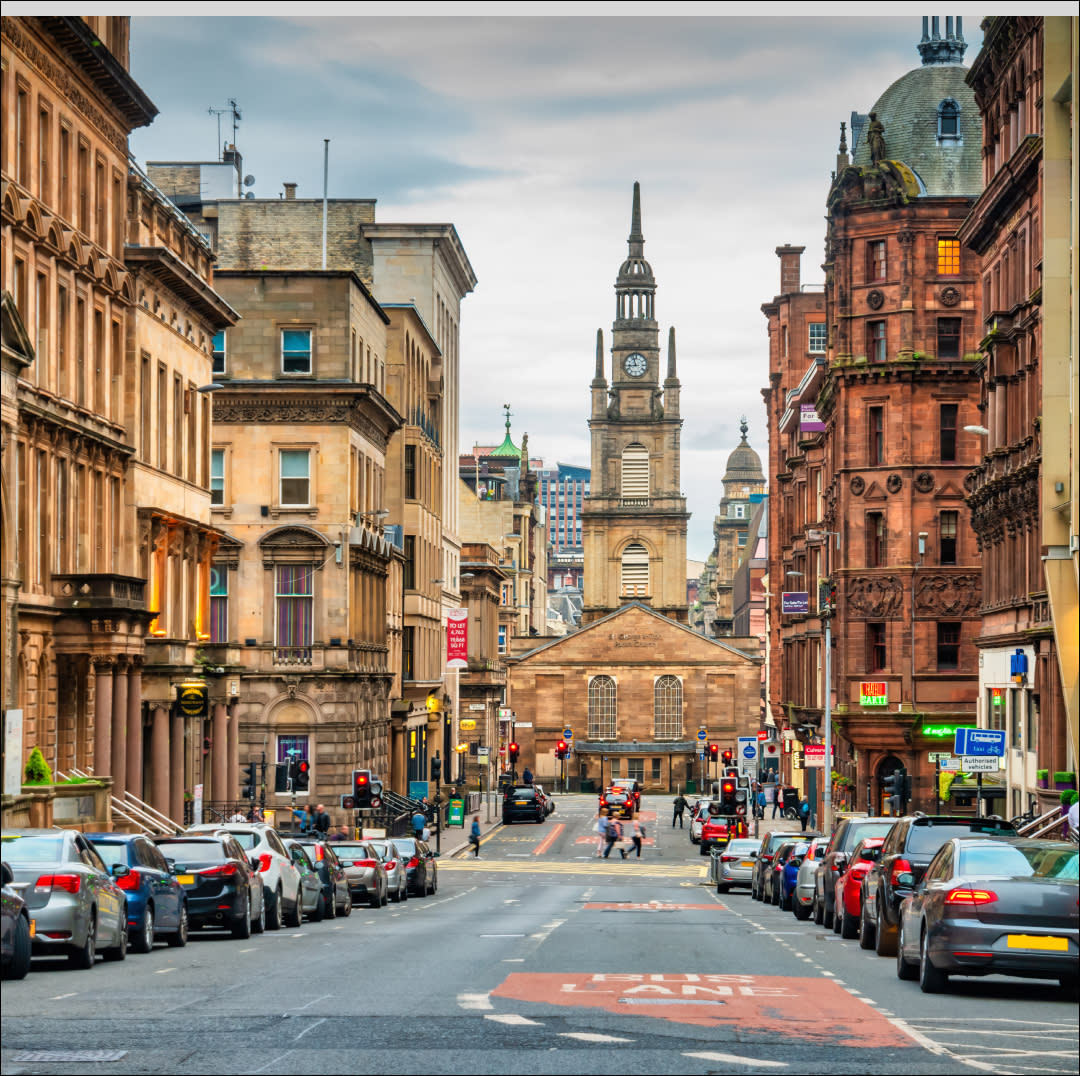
point(882, 511)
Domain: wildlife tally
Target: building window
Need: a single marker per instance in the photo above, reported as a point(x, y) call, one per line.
point(667, 708)
point(409, 567)
point(616, 768)
point(410, 472)
point(219, 603)
point(948, 257)
point(948, 120)
point(876, 655)
point(948, 645)
point(876, 429)
point(875, 539)
point(816, 343)
point(947, 425)
point(635, 571)
point(656, 771)
point(876, 265)
point(635, 769)
point(947, 537)
point(294, 602)
point(601, 708)
point(295, 477)
point(296, 351)
point(635, 471)
point(1016, 717)
point(217, 352)
point(1031, 711)
point(502, 639)
point(875, 341)
point(217, 476)
point(408, 653)
point(948, 338)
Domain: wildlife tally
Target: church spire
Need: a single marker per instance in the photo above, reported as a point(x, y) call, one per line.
point(635, 286)
point(636, 240)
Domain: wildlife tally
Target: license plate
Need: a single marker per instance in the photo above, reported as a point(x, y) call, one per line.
point(33, 928)
point(520, 803)
point(186, 879)
point(747, 863)
point(1034, 941)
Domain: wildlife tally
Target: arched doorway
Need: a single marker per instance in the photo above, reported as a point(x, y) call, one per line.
point(885, 768)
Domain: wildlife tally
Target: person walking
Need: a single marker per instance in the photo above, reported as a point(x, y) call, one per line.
point(601, 831)
point(777, 800)
point(474, 836)
point(804, 813)
point(320, 824)
point(636, 835)
point(679, 805)
point(527, 776)
point(418, 823)
point(612, 836)
point(759, 803)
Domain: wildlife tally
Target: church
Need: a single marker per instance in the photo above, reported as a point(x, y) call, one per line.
point(634, 686)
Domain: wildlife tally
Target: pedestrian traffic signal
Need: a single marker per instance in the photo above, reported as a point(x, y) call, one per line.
point(303, 775)
point(894, 791)
point(436, 769)
point(512, 752)
point(727, 796)
point(249, 781)
point(561, 750)
point(376, 793)
point(281, 777)
point(714, 752)
point(727, 756)
point(361, 780)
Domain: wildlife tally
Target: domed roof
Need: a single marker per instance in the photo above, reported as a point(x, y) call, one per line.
point(744, 464)
point(947, 157)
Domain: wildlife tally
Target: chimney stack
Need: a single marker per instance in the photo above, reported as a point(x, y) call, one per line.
point(790, 272)
point(290, 192)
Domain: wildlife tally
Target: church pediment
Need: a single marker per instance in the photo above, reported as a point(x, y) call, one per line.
point(949, 491)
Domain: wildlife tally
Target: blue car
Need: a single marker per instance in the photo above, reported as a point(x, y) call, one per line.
point(789, 879)
point(156, 902)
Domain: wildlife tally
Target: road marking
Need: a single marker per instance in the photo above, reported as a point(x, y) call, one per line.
point(321, 1020)
point(164, 971)
point(502, 935)
point(586, 1036)
point(301, 1008)
point(251, 950)
point(60, 997)
point(549, 840)
point(474, 1001)
point(596, 869)
point(734, 1059)
point(513, 1019)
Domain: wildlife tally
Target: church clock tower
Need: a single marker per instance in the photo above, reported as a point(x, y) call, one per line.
point(634, 521)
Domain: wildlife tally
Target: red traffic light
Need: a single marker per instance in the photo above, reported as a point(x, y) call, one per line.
point(728, 756)
point(727, 788)
point(362, 779)
point(714, 752)
point(513, 750)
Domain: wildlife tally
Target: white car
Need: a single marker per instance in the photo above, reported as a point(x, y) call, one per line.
point(281, 880)
point(697, 811)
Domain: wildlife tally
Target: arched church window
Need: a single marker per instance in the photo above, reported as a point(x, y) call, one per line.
point(635, 471)
point(602, 708)
point(949, 120)
point(667, 708)
point(635, 571)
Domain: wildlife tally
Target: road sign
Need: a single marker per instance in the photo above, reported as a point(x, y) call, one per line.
point(813, 755)
point(703, 734)
point(794, 602)
point(949, 762)
point(763, 735)
point(980, 764)
point(986, 742)
point(568, 734)
point(748, 753)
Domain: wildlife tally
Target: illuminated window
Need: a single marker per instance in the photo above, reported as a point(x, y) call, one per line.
point(219, 603)
point(948, 257)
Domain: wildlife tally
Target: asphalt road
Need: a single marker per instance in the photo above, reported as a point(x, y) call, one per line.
point(535, 958)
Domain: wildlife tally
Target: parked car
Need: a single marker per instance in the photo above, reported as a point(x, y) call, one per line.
point(910, 845)
point(789, 873)
point(847, 834)
point(847, 899)
point(770, 882)
point(992, 906)
point(16, 930)
point(397, 875)
point(522, 804)
point(223, 889)
point(421, 870)
point(156, 901)
point(549, 803)
point(337, 899)
point(364, 870)
point(698, 811)
point(802, 897)
point(735, 865)
point(71, 895)
point(770, 842)
point(281, 879)
point(311, 888)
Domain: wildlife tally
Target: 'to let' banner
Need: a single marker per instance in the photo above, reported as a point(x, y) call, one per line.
point(457, 639)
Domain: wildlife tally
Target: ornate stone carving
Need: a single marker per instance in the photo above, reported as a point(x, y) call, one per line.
point(952, 594)
point(894, 483)
point(924, 482)
point(950, 296)
point(969, 481)
point(875, 595)
point(858, 485)
point(905, 237)
point(875, 299)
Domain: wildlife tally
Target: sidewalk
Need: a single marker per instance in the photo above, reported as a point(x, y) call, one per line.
point(455, 839)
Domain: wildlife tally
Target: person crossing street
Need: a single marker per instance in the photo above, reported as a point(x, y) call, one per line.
point(679, 806)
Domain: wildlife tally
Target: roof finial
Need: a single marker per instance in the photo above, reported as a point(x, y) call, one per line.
point(636, 240)
point(743, 427)
point(671, 353)
point(843, 137)
point(506, 408)
point(935, 49)
point(599, 376)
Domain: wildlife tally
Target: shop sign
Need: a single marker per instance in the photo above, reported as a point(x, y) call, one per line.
point(873, 693)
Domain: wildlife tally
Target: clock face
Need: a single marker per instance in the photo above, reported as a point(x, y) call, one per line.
point(635, 364)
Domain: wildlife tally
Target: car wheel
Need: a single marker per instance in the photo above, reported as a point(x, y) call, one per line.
point(273, 911)
point(722, 888)
point(83, 957)
point(866, 930)
point(931, 980)
point(884, 945)
point(849, 926)
point(434, 884)
point(330, 905)
point(241, 926)
point(800, 911)
point(178, 938)
point(837, 917)
point(904, 970)
point(19, 965)
point(346, 909)
point(827, 914)
point(258, 925)
point(819, 912)
point(318, 913)
point(142, 940)
point(119, 950)
point(294, 914)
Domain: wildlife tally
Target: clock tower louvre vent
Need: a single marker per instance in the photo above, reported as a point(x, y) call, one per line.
point(635, 472)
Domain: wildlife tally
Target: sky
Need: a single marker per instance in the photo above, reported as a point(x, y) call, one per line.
point(527, 133)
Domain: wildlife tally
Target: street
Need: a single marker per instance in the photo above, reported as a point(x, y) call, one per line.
point(535, 957)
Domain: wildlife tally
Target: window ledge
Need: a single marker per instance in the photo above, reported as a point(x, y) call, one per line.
point(278, 510)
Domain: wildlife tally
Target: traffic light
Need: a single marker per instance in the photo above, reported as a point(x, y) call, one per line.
point(905, 792)
point(361, 780)
point(376, 793)
point(714, 752)
point(512, 752)
point(894, 788)
point(561, 750)
point(436, 769)
point(281, 777)
point(727, 756)
point(249, 781)
point(727, 796)
point(303, 775)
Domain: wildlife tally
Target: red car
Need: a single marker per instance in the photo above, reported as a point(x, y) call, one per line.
point(847, 904)
point(719, 831)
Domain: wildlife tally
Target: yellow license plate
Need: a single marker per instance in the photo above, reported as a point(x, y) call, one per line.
point(520, 803)
point(186, 879)
point(33, 927)
point(747, 863)
point(1034, 941)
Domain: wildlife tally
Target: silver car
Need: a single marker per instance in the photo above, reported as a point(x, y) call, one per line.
point(735, 864)
point(76, 905)
point(365, 871)
point(397, 877)
point(802, 897)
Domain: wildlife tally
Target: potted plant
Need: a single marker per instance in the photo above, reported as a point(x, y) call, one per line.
point(37, 770)
point(1064, 779)
point(1042, 778)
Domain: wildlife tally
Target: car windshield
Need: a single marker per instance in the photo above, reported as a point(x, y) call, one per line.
point(523, 794)
point(742, 847)
point(406, 846)
point(112, 852)
point(1018, 861)
point(927, 838)
point(386, 851)
point(32, 849)
point(863, 830)
point(192, 851)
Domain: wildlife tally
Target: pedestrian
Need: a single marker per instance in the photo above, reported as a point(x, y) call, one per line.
point(340, 834)
point(320, 824)
point(679, 806)
point(804, 813)
point(759, 803)
point(304, 817)
point(418, 823)
point(601, 830)
point(474, 836)
point(527, 776)
point(612, 837)
point(636, 835)
point(777, 800)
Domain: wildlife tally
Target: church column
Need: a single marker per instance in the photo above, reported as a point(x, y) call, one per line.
point(134, 745)
point(103, 694)
point(219, 752)
point(176, 766)
point(119, 728)
point(159, 759)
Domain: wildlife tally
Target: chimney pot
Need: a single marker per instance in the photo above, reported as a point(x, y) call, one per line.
point(290, 191)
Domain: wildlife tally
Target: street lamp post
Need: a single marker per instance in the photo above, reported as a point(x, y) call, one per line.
point(826, 802)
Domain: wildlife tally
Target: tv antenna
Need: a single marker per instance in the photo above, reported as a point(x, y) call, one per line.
point(234, 108)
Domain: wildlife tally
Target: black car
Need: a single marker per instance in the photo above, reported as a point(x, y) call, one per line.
point(618, 802)
point(15, 944)
point(846, 835)
point(421, 871)
point(223, 889)
point(911, 844)
point(522, 804)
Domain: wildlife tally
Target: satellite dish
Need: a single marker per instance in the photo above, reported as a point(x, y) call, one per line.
point(249, 180)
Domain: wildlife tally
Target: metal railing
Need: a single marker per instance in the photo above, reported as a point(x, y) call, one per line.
point(134, 811)
point(1044, 824)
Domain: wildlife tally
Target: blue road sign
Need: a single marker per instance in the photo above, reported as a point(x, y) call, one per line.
point(703, 734)
point(990, 743)
point(567, 734)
